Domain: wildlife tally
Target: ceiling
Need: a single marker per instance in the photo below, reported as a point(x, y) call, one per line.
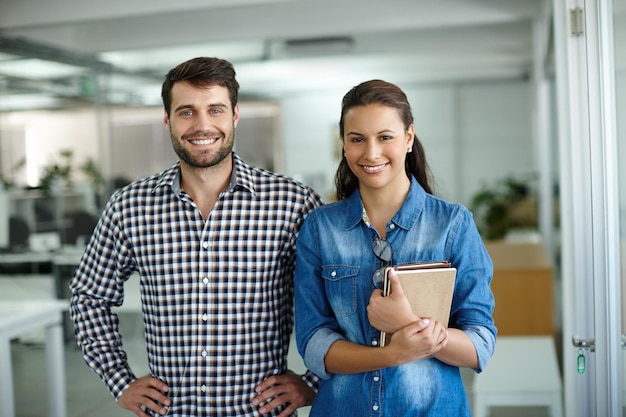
point(58, 54)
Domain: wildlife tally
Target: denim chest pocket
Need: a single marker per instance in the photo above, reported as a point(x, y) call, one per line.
point(341, 287)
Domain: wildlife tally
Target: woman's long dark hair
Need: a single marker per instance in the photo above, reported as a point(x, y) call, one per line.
point(387, 94)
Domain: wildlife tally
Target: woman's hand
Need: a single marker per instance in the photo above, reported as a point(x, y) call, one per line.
point(421, 339)
point(391, 313)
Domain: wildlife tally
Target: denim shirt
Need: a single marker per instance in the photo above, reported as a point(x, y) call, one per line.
point(333, 284)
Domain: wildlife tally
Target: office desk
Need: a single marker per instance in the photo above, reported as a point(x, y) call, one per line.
point(34, 259)
point(63, 260)
point(17, 318)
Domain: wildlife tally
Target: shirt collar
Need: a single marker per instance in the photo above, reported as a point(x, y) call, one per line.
point(241, 177)
point(404, 218)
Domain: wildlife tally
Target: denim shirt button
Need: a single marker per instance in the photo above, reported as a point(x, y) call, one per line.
point(375, 407)
point(333, 274)
point(392, 226)
point(374, 342)
point(376, 378)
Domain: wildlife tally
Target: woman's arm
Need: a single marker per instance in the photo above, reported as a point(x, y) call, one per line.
point(459, 351)
point(418, 340)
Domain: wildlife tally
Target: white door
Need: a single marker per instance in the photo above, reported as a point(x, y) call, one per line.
point(619, 40)
point(590, 206)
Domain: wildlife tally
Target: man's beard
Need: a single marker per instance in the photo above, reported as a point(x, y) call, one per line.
point(200, 160)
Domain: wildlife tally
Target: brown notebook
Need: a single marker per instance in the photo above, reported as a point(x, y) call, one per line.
point(428, 287)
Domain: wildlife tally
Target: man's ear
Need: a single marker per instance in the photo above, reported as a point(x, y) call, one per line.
point(236, 115)
point(166, 119)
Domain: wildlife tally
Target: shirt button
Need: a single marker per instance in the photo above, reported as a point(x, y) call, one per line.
point(204, 353)
point(203, 388)
point(205, 317)
point(392, 226)
point(375, 407)
point(205, 281)
point(376, 378)
point(205, 245)
point(374, 342)
point(333, 274)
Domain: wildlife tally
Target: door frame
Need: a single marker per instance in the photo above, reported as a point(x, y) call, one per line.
point(589, 205)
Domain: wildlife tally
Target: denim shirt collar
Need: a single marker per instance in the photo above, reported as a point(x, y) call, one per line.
point(404, 218)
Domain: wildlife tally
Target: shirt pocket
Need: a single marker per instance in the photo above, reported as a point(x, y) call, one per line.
point(341, 287)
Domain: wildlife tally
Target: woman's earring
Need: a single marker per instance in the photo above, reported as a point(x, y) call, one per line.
point(409, 150)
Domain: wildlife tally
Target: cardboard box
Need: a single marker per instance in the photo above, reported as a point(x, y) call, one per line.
point(523, 288)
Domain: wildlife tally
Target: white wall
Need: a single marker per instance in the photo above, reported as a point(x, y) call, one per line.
point(310, 136)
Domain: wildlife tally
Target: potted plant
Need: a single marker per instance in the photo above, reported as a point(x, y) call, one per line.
point(57, 174)
point(509, 203)
point(7, 183)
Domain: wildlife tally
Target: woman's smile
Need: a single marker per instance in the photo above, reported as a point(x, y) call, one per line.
point(373, 169)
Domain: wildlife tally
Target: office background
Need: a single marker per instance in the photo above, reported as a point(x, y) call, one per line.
point(86, 76)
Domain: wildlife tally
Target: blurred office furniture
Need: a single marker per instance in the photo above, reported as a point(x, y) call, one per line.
point(19, 233)
point(18, 317)
point(44, 213)
point(523, 288)
point(80, 227)
point(523, 372)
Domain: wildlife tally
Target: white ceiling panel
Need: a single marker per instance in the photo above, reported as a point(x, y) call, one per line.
point(278, 46)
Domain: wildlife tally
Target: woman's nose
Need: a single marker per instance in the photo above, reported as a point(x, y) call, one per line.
point(372, 150)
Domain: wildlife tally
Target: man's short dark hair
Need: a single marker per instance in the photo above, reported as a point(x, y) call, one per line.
point(201, 72)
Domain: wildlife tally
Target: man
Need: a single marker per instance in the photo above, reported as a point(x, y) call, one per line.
point(213, 240)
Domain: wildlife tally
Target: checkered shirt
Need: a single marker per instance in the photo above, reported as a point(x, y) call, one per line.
point(217, 295)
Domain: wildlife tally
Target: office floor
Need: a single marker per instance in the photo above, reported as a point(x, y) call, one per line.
point(87, 395)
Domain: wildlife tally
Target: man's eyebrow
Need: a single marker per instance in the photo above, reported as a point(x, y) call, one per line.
point(184, 106)
point(191, 106)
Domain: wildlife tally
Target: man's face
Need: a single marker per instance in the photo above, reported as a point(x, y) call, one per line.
point(201, 124)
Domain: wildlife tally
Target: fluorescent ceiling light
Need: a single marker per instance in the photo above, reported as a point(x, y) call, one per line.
point(154, 59)
point(38, 69)
point(27, 102)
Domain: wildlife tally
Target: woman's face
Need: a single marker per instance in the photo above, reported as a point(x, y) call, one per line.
point(375, 143)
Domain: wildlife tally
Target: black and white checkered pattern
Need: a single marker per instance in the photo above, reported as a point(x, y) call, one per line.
point(217, 295)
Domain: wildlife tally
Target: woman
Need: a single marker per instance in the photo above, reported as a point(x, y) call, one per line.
point(386, 214)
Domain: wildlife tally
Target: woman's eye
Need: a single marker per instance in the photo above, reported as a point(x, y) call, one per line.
point(386, 137)
point(356, 140)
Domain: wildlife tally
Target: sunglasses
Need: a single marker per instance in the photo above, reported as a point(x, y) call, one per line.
point(383, 251)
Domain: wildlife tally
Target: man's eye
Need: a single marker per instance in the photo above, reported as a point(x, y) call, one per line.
point(186, 113)
point(216, 111)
